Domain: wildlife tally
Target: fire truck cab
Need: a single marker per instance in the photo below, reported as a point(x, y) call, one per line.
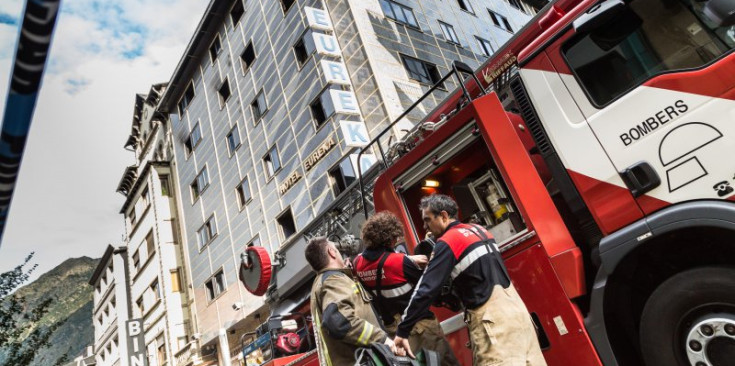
point(594, 146)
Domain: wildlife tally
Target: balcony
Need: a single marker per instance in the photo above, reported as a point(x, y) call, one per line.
point(185, 356)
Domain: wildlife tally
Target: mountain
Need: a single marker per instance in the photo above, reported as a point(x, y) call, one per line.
point(72, 305)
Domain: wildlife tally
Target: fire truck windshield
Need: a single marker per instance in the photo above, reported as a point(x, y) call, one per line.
point(649, 37)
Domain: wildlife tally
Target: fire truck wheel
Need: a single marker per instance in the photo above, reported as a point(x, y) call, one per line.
point(690, 320)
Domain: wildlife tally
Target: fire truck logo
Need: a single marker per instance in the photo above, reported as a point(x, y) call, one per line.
point(681, 142)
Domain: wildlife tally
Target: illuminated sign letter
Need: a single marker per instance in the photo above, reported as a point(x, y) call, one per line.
point(344, 102)
point(326, 45)
point(317, 19)
point(354, 133)
point(335, 72)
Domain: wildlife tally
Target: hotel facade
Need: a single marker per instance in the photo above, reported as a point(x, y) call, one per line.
point(267, 109)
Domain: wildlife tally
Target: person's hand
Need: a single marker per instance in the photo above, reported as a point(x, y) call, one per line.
point(419, 260)
point(389, 342)
point(402, 347)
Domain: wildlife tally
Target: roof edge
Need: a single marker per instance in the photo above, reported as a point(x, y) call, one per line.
point(215, 11)
point(102, 265)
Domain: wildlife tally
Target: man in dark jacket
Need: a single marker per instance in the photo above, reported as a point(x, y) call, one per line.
point(340, 307)
point(500, 327)
point(391, 278)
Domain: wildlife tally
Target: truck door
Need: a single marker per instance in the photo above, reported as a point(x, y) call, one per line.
point(655, 83)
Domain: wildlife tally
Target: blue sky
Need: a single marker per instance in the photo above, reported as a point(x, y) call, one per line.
point(103, 53)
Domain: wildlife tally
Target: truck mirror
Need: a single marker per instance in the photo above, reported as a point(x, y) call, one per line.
point(722, 12)
point(599, 15)
point(463, 67)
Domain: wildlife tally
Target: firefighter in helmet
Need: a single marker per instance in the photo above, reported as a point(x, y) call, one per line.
point(343, 317)
point(500, 327)
point(391, 277)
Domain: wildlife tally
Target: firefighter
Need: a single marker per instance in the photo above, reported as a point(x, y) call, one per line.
point(500, 328)
point(391, 277)
point(343, 316)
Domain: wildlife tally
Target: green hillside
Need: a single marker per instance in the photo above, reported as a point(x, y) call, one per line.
point(72, 306)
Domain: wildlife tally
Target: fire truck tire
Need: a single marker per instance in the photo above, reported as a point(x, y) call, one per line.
point(689, 320)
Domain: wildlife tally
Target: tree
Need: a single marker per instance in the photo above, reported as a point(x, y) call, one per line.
point(21, 335)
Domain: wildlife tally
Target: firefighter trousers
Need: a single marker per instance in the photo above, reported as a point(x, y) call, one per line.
point(502, 332)
point(427, 334)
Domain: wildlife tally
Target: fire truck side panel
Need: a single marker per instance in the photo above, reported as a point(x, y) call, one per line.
point(543, 296)
point(577, 147)
point(521, 176)
point(546, 294)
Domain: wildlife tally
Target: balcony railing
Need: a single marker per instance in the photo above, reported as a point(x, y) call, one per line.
point(185, 355)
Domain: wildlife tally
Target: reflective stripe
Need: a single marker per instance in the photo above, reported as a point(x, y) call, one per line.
point(367, 330)
point(406, 288)
point(322, 351)
point(470, 258)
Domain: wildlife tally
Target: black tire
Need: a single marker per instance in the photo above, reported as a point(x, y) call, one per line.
point(675, 304)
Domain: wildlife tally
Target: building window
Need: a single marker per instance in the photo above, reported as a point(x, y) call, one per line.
point(304, 47)
point(144, 199)
point(139, 308)
point(259, 106)
point(247, 57)
point(176, 280)
point(255, 242)
point(516, 4)
point(286, 4)
point(161, 348)
point(341, 176)
point(449, 34)
point(155, 291)
point(149, 244)
point(243, 192)
point(400, 13)
point(322, 108)
point(236, 12)
point(507, 25)
point(200, 183)
point(207, 232)
point(487, 48)
point(300, 49)
point(610, 62)
point(165, 187)
point(215, 48)
point(186, 99)
point(500, 21)
point(286, 225)
point(192, 141)
point(215, 285)
point(272, 162)
point(224, 93)
point(133, 217)
point(421, 71)
point(136, 260)
point(233, 139)
point(465, 5)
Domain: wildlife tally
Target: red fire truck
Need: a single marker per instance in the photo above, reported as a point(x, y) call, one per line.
point(594, 146)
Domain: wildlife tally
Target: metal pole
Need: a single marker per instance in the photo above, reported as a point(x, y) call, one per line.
point(39, 19)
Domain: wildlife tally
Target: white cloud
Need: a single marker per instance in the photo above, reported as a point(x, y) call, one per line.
point(65, 204)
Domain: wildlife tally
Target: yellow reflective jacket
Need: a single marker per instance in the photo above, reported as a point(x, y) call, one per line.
point(343, 317)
